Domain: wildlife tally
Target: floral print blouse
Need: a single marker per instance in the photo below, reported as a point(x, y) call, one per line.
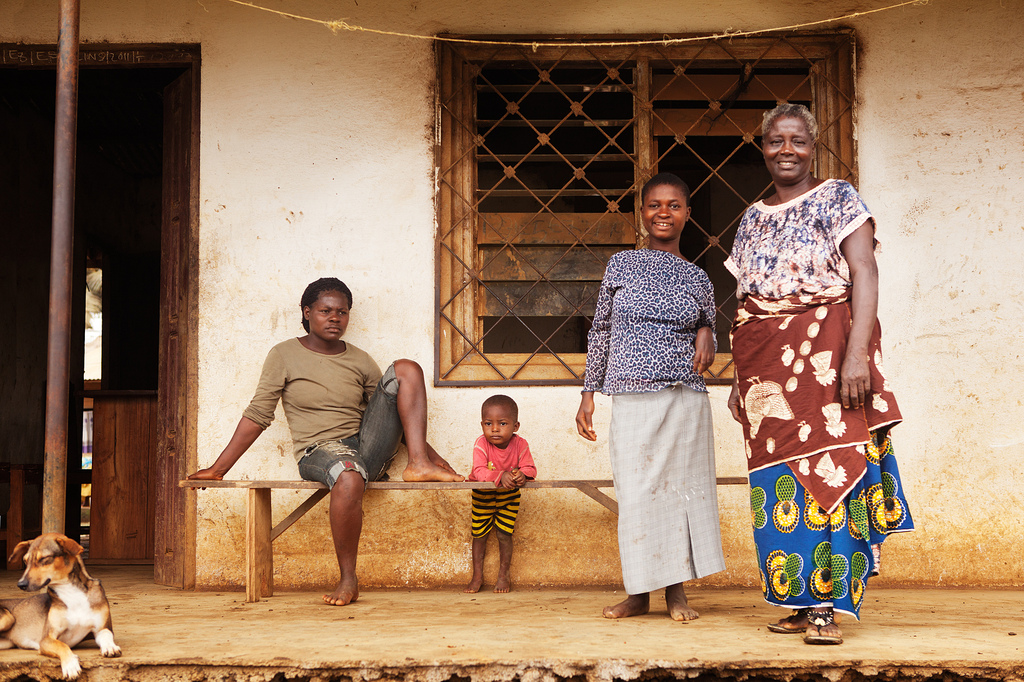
point(793, 248)
point(649, 309)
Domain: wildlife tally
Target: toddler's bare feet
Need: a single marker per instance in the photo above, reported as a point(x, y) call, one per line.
point(429, 471)
point(502, 584)
point(345, 593)
point(474, 585)
point(633, 605)
point(678, 608)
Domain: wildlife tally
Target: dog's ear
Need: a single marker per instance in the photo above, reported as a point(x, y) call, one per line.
point(18, 555)
point(70, 546)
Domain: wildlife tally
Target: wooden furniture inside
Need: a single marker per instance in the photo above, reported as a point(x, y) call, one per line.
point(124, 454)
point(15, 529)
point(260, 532)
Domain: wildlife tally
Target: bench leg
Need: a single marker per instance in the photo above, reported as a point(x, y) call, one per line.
point(593, 493)
point(259, 551)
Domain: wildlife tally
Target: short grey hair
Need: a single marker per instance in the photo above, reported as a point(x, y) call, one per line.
point(798, 111)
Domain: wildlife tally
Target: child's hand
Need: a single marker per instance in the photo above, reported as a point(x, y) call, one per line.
point(506, 480)
point(519, 478)
point(704, 350)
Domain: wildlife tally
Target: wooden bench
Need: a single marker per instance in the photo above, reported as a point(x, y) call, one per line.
point(260, 533)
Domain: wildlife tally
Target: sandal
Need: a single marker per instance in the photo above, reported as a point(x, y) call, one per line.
point(820, 619)
point(791, 625)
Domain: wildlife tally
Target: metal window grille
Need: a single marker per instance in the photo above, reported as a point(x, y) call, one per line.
point(540, 158)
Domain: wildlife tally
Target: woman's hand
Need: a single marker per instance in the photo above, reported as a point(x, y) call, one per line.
point(855, 375)
point(209, 474)
point(244, 436)
point(585, 416)
point(854, 381)
point(734, 401)
point(703, 350)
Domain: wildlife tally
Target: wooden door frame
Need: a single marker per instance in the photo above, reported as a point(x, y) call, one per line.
point(175, 532)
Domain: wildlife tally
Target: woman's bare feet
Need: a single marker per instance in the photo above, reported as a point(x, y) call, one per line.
point(345, 593)
point(678, 608)
point(428, 471)
point(633, 605)
point(438, 460)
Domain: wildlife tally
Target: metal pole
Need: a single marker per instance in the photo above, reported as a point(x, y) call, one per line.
point(58, 350)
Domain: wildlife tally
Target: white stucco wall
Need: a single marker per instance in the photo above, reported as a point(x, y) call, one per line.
point(316, 159)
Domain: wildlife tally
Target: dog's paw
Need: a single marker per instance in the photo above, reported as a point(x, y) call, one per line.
point(105, 640)
point(71, 668)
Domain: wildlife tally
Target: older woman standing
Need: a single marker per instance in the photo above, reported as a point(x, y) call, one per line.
point(810, 393)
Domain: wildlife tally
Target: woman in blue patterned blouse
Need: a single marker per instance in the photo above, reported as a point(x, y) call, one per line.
point(652, 338)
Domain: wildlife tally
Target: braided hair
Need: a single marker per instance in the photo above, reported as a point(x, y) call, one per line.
point(317, 289)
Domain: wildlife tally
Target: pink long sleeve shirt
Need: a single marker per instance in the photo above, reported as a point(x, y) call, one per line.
point(489, 461)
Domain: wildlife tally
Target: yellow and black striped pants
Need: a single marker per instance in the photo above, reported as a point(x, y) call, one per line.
point(494, 508)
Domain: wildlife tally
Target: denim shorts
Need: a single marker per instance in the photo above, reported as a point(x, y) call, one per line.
point(367, 453)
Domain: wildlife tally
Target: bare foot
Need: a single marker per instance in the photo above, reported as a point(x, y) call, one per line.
point(678, 608)
point(440, 461)
point(345, 593)
point(474, 585)
point(633, 605)
point(430, 472)
point(502, 584)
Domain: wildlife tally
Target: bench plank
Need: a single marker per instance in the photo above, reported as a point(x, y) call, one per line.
point(260, 532)
point(420, 485)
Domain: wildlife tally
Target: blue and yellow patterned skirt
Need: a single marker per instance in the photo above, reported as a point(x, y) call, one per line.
point(809, 558)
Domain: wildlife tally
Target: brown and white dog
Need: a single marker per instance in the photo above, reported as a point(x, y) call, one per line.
point(73, 607)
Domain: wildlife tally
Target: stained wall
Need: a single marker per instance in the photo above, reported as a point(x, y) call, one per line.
point(317, 159)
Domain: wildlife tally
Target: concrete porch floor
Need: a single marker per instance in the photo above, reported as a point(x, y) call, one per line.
point(530, 634)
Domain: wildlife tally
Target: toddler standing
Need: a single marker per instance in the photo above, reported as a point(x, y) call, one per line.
point(502, 456)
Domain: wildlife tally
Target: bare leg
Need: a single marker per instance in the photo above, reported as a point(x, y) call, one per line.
point(346, 526)
point(503, 583)
point(424, 462)
point(633, 605)
point(678, 608)
point(479, 552)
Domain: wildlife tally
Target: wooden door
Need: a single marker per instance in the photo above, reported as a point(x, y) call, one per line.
point(175, 521)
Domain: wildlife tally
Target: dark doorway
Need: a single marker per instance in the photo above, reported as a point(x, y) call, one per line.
point(132, 240)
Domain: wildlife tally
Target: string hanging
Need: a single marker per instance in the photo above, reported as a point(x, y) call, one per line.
point(338, 25)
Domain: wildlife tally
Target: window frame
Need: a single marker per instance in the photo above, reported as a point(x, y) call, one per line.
point(459, 361)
